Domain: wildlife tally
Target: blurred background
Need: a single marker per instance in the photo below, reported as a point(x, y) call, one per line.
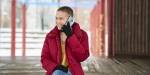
point(27, 21)
point(118, 32)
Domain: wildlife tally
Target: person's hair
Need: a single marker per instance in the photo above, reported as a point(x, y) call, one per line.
point(66, 9)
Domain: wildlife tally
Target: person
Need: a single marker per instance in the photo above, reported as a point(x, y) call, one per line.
point(65, 46)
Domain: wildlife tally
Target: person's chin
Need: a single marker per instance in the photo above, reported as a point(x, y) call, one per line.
point(59, 28)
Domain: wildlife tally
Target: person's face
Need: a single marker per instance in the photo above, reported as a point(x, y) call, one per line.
point(61, 18)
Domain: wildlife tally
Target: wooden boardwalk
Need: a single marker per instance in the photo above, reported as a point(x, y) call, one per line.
point(98, 66)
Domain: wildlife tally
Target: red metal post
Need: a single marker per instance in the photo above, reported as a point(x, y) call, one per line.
point(13, 28)
point(24, 29)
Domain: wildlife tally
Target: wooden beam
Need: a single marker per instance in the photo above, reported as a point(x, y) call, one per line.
point(24, 29)
point(13, 28)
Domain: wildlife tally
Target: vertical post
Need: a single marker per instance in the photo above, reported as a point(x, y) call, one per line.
point(24, 29)
point(0, 15)
point(111, 51)
point(106, 26)
point(13, 28)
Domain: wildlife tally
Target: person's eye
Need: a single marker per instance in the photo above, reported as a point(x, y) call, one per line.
point(61, 18)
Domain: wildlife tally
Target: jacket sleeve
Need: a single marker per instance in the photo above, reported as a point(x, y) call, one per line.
point(46, 61)
point(80, 49)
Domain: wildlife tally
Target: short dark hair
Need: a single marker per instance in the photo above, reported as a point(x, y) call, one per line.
point(66, 9)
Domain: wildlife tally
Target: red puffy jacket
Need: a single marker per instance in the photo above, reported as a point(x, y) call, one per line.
point(77, 50)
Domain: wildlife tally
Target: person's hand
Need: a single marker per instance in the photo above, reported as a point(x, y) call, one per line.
point(67, 29)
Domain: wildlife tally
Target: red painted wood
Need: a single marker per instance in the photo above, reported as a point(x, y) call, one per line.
point(111, 51)
point(97, 29)
point(23, 30)
point(13, 28)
